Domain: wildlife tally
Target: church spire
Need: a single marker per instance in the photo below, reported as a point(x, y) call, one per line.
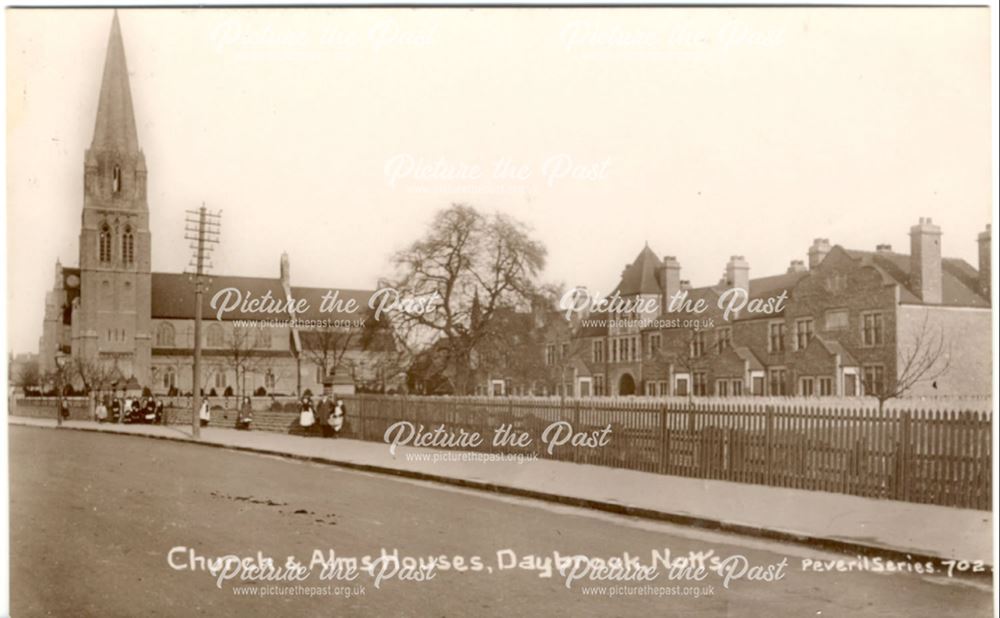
point(115, 127)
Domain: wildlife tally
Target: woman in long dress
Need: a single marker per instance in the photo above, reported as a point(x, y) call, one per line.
point(204, 414)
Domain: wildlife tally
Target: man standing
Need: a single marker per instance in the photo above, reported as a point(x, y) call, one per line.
point(323, 411)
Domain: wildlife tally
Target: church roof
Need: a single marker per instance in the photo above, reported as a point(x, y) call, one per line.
point(115, 126)
point(173, 298)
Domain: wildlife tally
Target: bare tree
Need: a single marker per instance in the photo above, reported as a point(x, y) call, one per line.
point(924, 358)
point(92, 373)
point(241, 357)
point(468, 266)
point(327, 346)
point(28, 374)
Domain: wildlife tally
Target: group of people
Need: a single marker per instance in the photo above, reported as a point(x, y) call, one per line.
point(244, 416)
point(129, 410)
point(329, 415)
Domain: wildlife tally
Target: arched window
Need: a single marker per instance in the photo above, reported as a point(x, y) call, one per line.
point(128, 245)
point(105, 244)
point(214, 336)
point(165, 335)
point(116, 179)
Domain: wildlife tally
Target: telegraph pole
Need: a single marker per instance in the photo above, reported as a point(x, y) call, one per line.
point(202, 229)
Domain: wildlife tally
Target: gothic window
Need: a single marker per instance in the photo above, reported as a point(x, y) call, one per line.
point(165, 335)
point(214, 336)
point(105, 243)
point(128, 245)
point(116, 179)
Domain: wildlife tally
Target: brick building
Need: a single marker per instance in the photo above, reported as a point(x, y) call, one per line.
point(852, 323)
point(138, 326)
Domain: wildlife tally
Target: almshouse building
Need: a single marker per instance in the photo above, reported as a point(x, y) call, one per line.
point(852, 323)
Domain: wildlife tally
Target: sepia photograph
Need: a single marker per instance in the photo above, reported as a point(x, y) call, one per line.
point(676, 310)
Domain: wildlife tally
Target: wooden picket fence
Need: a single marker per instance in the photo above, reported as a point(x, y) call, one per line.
point(927, 456)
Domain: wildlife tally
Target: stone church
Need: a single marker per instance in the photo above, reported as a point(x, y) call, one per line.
point(113, 312)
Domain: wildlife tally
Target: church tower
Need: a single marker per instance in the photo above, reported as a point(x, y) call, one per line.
point(111, 321)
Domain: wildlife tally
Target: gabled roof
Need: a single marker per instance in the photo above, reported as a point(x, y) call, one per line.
point(834, 347)
point(641, 276)
point(959, 279)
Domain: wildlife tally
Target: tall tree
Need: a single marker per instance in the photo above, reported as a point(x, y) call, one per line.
point(468, 267)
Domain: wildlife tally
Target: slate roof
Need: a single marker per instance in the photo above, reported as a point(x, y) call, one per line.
point(959, 279)
point(173, 297)
point(641, 276)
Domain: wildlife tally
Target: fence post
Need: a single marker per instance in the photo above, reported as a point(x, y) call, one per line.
point(769, 445)
point(903, 474)
point(664, 440)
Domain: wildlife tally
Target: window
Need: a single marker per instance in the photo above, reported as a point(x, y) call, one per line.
point(697, 344)
point(825, 387)
point(807, 387)
point(722, 388)
point(871, 329)
point(262, 339)
point(803, 332)
point(700, 384)
point(757, 385)
point(776, 337)
point(220, 379)
point(320, 374)
point(874, 379)
point(116, 179)
point(269, 380)
point(214, 337)
point(564, 351)
point(724, 339)
point(737, 389)
point(104, 244)
point(654, 344)
point(836, 319)
point(128, 245)
point(598, 351)
point(550, 354)
point(778, 381)
point(599, 384)
point(165, 335)
point(662, 388)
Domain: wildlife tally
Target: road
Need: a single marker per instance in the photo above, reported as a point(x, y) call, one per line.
point(94, 517)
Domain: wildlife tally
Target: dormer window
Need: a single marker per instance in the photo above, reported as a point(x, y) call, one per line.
point(116, 179)
point(105, 244)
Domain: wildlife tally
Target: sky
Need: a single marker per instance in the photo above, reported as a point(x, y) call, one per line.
point(335, 135)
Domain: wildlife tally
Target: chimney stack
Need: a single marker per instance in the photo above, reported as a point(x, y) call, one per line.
point(670, 280)
point(818, 251)
point(883, 248)
point(738, 272)
point(985, 265)
point(925, 260)
point(797, 266)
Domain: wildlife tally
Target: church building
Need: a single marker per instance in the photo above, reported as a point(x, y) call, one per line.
point(136, 326)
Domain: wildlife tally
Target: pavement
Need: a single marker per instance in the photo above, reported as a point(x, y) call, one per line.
point(837, 522)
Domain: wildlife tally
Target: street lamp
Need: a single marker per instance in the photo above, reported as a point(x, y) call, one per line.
point(60, 365)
